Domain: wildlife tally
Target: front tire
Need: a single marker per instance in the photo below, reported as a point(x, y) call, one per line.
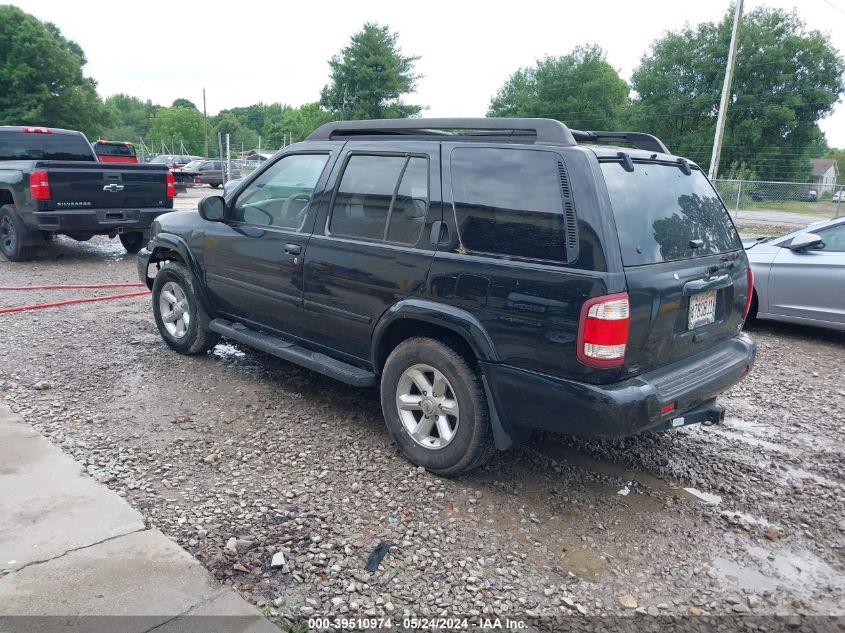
point(132, 242)
point(12, 235)
point(178, 314)
point(435, 408)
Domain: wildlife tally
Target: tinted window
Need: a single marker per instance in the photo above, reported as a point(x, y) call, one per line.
point(282, 194)
point(659, 210)
point(509, 202)
point(364, 196)
point(114, 149)
point(16, 145)
point(834, 238)
point(408, 214)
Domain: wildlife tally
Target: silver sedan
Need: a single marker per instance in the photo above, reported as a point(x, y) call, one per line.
point(800, 277)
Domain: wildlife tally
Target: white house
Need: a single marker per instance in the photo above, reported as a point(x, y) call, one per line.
point(825, 173)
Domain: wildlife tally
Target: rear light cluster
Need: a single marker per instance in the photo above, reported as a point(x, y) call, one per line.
point(171, 185)
point(750, 276)
point(39, 185)
point(603, 330)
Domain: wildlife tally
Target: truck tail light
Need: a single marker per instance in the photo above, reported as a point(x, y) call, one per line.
point(171, 185)
point(39, 185)
point(750, 276)
point(38, 130)
point(603, 330)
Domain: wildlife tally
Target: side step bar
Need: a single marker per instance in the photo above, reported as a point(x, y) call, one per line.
point(286, 350)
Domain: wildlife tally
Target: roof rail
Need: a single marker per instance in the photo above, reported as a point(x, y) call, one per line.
point(640, 140)
point(543, 130)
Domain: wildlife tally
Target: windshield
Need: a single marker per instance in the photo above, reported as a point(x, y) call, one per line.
point(193, 165)
point(162, 160)
point(663, 214)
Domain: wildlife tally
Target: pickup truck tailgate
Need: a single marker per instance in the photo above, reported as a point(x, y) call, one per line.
point(77, 185)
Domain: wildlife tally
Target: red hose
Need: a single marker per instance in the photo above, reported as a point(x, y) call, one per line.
point(39, 306)
point(71, 286)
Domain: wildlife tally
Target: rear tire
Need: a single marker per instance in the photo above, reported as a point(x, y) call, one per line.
point(214, 186)
point(177, 311)
point(444, 423)
point(132, 242)
point(13, 233)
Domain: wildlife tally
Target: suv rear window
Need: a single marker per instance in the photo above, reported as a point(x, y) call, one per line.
point(114, 149)
point(660, 212)
point(16, 145)
point(508, 202)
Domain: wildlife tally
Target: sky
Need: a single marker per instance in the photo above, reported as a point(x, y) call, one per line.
point(279, 51)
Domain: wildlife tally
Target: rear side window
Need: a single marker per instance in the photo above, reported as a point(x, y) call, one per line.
point(664, 215)
point(509, 202)
point(381, 198)
point(34, 146)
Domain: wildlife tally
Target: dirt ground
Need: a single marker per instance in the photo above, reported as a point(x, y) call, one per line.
point(238, 456)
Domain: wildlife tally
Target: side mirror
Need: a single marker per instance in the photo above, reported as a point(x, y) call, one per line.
point(805, 241)
point(212, 208)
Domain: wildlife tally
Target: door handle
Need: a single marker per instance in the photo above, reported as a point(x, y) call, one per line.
point(293, 249)
point(439, 233)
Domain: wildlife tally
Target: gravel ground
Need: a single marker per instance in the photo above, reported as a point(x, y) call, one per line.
point(238, 456)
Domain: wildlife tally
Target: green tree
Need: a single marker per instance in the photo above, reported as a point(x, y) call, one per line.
point(130, 117)
point(183, 103)
point(370, 76)
point(786, 79)
point(297, 123)
point(178, 125)
point(581, 89)
point(239, 135)
point(42, 79)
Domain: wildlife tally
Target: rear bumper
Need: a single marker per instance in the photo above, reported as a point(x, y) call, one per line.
point(96, 221)
point(537, 401)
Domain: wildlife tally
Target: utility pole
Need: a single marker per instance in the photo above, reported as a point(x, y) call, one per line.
point(204, 124)
point(726, 91)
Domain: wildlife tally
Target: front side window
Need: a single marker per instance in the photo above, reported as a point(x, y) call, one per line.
point(509, 202)
point(281, 195)
point(381, 198)
point(834, 239)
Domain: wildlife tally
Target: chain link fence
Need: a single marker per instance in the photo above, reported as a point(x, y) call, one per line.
point(750, 199)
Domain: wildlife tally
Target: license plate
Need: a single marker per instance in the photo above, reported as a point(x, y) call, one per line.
point(702, 309)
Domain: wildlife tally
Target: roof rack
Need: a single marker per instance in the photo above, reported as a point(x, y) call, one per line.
point(542, 130)
point(538, 130)
point(640, 140)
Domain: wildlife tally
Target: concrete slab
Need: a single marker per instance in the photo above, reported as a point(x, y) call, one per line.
point(47, 505)
point(140, 574)
point(228, 613)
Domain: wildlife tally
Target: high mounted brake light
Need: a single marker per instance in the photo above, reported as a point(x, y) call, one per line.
point(171, 185)
point(39, 185)
point(38, 130)
point(603, 330)
point(750, 276)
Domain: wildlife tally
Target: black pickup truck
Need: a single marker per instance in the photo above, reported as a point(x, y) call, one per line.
point(51, 182)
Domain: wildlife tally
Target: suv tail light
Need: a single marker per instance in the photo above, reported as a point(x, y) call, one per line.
point(603, 330)
point(750, 276)
point(39, 185)
point(171, 185)
point(38, 130)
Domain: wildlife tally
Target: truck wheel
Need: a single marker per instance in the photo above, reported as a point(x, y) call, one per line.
point(12, 235)
point(435, 407)
point(178, 314)
point(132, 242)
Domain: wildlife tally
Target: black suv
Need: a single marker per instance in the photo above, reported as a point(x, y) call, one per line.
point(492, 276)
